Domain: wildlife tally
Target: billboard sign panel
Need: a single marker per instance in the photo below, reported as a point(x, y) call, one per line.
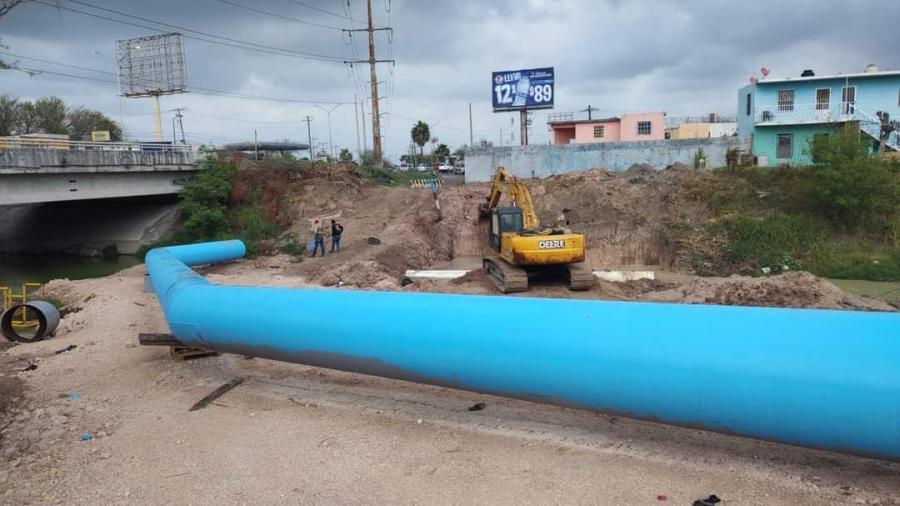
point(515, 90)
point(151, 65)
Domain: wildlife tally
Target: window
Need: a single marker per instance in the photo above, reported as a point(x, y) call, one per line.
point(785, 147)
point(823, 99)
point(848, 100)
point(643, 128)
point(748, 104)
point(785, 100)
point(598, 132)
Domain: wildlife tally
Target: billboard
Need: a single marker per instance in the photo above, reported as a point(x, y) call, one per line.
point(515, 90)
point(151, 65)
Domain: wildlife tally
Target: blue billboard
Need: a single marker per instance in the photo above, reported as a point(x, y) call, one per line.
point(523, 89)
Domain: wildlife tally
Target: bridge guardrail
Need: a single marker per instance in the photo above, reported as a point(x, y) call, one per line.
point(62, 144)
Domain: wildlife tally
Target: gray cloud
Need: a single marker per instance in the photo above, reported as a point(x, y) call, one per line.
point(684, 57)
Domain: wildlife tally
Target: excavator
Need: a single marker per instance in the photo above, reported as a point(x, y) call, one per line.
point(523, 247)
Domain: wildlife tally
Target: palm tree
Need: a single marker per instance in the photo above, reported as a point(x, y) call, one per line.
point(420, 134)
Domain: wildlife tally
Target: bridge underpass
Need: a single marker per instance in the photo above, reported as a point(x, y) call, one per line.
point(87, 198)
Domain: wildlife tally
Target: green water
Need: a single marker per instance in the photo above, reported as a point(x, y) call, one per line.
point(16, 269)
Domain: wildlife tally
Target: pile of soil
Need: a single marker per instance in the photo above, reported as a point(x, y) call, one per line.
point(793, 289)
point(626, 217)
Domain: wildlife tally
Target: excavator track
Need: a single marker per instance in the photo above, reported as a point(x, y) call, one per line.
point(581, 277)
point(507, 278)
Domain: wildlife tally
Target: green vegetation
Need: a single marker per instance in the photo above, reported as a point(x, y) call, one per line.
point(50, 115)
point(390, 177)
point(210, 210)
point(838, 218)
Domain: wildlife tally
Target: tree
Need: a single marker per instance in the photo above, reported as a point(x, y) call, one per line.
point(345, 155)
point(5, 7)
point(420, 134)
point(851, 186)
point(10, 114)
point(441, 151)
point(49, 115)
point(460, 152)
point(81, 122)
point(887, 128)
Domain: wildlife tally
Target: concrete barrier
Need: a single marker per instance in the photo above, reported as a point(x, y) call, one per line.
point(540, 161)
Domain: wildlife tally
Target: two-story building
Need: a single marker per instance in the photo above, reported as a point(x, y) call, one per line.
point(565, 129)
point(781, 116)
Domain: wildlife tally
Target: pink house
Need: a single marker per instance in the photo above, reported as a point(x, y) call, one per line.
point(629, 127)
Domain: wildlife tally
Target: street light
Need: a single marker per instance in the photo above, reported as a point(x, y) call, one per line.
point(328, 112)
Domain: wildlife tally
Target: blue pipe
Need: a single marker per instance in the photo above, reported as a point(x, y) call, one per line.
point(816, 378)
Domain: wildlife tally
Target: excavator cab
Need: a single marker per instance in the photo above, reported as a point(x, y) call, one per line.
point(504, 219)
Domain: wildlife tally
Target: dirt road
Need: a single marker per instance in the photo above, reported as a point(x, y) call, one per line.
point(295, 434)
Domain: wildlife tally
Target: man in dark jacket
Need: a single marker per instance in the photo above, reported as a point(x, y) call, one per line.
point(336, 230)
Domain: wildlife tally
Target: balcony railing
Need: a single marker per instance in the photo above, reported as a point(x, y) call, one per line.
point(811, 113)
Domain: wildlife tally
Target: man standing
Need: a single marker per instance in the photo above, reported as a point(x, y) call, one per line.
point(319, 230)
point(336, 230)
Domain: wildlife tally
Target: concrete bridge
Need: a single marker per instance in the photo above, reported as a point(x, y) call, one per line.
point(32, 172)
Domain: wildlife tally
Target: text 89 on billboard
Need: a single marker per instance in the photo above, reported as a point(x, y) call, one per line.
point(523, 89)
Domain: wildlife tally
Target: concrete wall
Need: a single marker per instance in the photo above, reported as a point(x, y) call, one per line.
point(45, 158)
point(29, 176)
point(547, 160)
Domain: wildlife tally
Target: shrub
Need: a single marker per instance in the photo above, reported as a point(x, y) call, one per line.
point(852, 187)
point(776, 241)
point(204, 204)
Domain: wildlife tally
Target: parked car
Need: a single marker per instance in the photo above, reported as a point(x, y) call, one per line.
point(445, 167)
point(404, 167)
point(422, 167)
point(459, 168)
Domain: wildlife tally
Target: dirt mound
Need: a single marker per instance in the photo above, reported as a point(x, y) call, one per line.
point(793, 289)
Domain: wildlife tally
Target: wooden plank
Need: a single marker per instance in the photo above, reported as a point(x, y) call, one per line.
point(215, 394)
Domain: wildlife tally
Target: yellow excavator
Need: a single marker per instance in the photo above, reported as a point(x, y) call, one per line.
point(522, 246)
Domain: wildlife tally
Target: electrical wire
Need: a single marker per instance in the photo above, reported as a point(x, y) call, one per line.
point(86, 69)
point(226, 41)
point(280, 16)
point(313, 7)
point(193, 89)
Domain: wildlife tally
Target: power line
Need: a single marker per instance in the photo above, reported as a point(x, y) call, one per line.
point(248, 46)
point(193, 89)
point(86, 69)
point(280, 16)
point(313, 7)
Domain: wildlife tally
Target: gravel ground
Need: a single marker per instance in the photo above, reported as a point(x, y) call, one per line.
point(295, 434)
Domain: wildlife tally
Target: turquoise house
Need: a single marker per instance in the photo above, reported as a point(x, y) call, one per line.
point(781, 116)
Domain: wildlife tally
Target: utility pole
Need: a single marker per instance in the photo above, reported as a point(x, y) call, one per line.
point(328, 112)
point(255, 145)
point(308, 119)
point(376, 117)
point(470, 125)
point(180, 123)
point(362, 114)
point(356, 121)
point(523, 127)
point(589, 110)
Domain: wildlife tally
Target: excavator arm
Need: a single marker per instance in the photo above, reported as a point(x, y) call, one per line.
point(504, 182)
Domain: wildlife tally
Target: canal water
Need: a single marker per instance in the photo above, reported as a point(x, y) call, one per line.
point(16, 269)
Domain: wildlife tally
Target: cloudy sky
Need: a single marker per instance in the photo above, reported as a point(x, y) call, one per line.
point(685, 57)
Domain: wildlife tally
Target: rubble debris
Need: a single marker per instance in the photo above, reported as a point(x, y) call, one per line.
point(478, 406)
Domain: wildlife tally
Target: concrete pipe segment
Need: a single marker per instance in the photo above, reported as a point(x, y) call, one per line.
point(47, 321)
point(816, 378)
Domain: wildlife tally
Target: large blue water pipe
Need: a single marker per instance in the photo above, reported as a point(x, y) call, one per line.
point(817, 378)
